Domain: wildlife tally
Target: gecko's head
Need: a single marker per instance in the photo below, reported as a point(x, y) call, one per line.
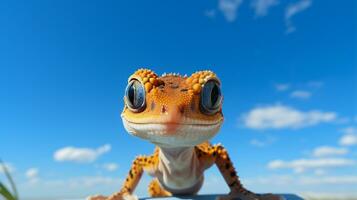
point(172, 110)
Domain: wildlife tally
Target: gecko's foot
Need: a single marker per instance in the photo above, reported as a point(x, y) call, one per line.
point(113, 197)
point(119, 196)
point(96, 197)
point(248, 196)
point(129, 197)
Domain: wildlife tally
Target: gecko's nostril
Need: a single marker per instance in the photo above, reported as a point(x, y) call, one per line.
point(164, 109)
point(181, 109)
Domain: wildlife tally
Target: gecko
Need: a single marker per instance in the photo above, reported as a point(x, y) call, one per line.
point(180, 115)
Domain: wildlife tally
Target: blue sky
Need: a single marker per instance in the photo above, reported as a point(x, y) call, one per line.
point(288, 72)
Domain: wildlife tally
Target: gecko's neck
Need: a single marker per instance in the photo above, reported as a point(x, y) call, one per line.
point(176, 153)
point(180, 170)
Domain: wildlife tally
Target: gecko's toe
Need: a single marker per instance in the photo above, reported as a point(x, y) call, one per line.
point(130, 197)
point(96, 197)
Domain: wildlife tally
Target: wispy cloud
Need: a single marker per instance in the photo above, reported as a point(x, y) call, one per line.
point(229, 8)
point(210, 13)
point(294, 9)
point(81, 183)
point(32, 175)
point(315, 84)
point(330, 195)
point(308, 186)
point(80, 155)
point(261, 7)
point(301, 165)
point(77, 187)
point(262, 142)
point(257, 143)
point(350, 136)
point(91, 181)
point(329, 180)
point(320, 172)
point(280, 116)
point(300, 94)
point(110, 166)
point(329, 151)
point(282, 87)
point(303, 180)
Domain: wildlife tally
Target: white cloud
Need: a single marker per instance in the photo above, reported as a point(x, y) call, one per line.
point(327, 187)
point(330, 195)
point(280, 116)
point(258, 143)
point(300, 94)
point(303, 180)
point(282, 87)
point(10, 168)
point(261, 7)
point(350, 137)
point(80, 155)
point(275, 180)
point(110, 166)
point(77, 187)
point(91, 181)
point(329, 180)
point(343, 120)
point(294, 9)
point(329, 151)
point(263, 142)
point(350, 130)
point(348, 140)
point(319, 172)
point(229, 8)
point(32, 175)
point(73, 184)
point(305, 164)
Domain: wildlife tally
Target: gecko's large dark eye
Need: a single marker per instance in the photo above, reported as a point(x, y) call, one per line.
point(135, 96)
point(211, 97)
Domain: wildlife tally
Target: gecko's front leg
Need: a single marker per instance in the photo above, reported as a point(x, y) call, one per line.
point(217, 154)
point(131, 181)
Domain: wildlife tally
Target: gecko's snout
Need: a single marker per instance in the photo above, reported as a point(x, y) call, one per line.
point(172, 117)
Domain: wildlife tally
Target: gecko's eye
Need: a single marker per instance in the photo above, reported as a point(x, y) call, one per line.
point(135, 96)
point(211, 97)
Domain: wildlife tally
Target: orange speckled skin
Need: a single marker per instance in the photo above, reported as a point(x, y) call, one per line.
point(172, 94)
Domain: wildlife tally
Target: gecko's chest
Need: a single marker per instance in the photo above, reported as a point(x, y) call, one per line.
point(179, 170)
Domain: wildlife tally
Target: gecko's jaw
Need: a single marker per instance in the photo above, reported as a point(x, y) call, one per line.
point(189, 133)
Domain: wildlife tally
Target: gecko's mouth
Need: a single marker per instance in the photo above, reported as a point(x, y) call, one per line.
point(174, 134)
